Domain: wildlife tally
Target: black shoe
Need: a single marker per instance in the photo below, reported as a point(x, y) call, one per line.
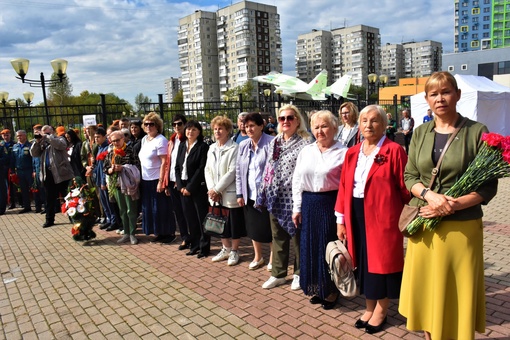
point(48, 224)
point(12, 207)
point(200, 255)
point(315, 300)
point(43, 211)
point(112, 227)
point(183, 245)
point(168, 239)
point(361, 324)
point(104, 225)
point(192, 252)
point(158, 238)
point(24, 211)
point(38, 211)
point(375, 329)
point(329, 304)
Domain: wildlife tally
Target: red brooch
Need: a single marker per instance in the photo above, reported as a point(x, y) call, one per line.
point(380, 159)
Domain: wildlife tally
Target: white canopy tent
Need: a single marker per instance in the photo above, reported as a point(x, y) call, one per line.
point(481, 99)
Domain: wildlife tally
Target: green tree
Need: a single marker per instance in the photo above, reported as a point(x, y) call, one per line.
point(246, 90)
point(59, 92)
point(139, 99)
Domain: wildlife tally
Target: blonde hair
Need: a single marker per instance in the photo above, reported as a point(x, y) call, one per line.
point(222, 121)
point(301, 129)
point(156, 119)
point(353, 111)
point(440, 78)
point(328, 117)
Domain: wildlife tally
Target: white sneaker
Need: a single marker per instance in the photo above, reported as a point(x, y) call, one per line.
point(233, 258)
point(295, 283)
point(122, 232)
point(222, 255)
point(123, 239)
point(269, 267)
point(273, 282)
point(256, 264)
point(133, 239)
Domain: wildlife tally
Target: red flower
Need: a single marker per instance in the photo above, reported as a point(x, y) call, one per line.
point(14, 178)
point(102, 156)
point(63, 208)
point(380, 159)
point(120, 152)
point(493, 139)
point(506, 156)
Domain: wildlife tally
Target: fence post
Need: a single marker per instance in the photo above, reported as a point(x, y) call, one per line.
point(395, 105)
point(103, 109)
point(160, 103)
point(241, 102)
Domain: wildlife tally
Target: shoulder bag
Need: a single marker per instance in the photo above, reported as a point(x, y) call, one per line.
point(409, 213)
point(340, 268)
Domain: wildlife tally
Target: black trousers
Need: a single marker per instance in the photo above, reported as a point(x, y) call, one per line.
point(195, 208)
point(53, 190)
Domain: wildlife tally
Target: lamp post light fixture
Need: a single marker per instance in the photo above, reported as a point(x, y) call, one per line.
point(372, 81)
point(59, 66)
point(29, 97)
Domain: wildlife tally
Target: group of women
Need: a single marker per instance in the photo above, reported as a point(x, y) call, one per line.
point(349, 183)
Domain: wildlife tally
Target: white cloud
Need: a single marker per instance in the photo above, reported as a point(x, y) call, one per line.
point(130, 46)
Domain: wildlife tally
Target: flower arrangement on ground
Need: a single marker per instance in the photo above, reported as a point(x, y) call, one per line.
point(79, 207)
point(491, 162)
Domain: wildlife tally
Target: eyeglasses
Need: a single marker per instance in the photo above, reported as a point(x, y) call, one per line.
point(115, 140)
point(345, 113)
point(177, 124)
point(149, 124)
point(286, 118)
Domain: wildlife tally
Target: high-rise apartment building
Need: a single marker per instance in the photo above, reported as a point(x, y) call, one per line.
point(222, 50)
point(392, 62)
point(353, 50)
point(481, 24)
point(172, 87)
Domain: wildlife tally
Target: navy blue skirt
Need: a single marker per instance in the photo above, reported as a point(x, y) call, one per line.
point(374, 286)
point(156, 218)
point(318, 227)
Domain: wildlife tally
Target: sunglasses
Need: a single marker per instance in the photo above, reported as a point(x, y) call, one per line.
point(149, 124)
point(177, 124)
point(345, 113)
point(286, 118)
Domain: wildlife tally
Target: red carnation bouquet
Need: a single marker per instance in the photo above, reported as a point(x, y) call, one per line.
point(491, 162)
point(101, 156)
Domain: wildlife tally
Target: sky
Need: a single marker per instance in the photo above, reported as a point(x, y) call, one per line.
point(128, 47)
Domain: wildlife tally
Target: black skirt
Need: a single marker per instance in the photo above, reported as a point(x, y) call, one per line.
point(258, 226)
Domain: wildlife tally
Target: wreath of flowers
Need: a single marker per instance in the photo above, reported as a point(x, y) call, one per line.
point(78, 205)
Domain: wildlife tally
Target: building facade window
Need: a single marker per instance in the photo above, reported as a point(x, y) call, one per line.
point(463, 67)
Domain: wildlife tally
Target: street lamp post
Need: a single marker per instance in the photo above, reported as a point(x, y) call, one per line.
point(372, 81)
point(29, 97)
point(4, 96)
point(267, 100)
point(59, 66)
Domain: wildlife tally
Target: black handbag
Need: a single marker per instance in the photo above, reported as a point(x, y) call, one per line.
point(216, 220)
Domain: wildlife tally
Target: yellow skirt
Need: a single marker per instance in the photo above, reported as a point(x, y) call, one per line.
point(443, 290)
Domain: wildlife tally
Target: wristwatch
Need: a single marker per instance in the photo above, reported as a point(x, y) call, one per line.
point(423, 193)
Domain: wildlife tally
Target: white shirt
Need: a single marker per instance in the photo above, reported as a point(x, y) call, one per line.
point(149, 155)
point(363, 167)
point(173, 158)
point(317, 171)
point(184, 174)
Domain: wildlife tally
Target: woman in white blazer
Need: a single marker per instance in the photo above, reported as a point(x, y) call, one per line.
point(220, 178)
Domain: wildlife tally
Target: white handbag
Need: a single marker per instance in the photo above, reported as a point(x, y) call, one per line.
point(340, 268)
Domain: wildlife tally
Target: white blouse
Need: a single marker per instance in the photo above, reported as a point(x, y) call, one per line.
point(149, 155)
point(317, 171)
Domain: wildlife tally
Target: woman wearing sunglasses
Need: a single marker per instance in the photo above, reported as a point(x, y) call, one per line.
point(176, 213)
point(276, 192)
point(152, 161)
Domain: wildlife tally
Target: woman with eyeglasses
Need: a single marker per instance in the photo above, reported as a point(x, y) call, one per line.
point(176, 213)
point(137, 135)
point(348, 133)
point(276, 192)
point(190, 179)
point(153, 156)
point(120, 164)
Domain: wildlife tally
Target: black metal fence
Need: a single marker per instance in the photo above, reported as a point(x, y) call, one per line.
point(25, 117)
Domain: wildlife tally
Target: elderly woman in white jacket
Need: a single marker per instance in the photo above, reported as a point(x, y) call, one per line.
point(220, 175)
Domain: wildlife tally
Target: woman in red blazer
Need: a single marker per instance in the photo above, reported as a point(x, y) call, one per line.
point(371, 196)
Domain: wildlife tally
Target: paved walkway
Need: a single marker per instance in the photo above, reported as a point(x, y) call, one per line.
point(55, 288)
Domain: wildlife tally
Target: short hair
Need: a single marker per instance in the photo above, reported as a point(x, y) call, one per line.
point(194, 124)
point(301, 130)
point(47, 127)
point(222, 121)
point(126, 132)
point(327, 116)
point(255, 117)
point(378, 109)
point(156, 119)
point(407, 110)
point(440, 78)
point(180, 117)
point(117, 133)
point(353, 111)
point(124, 119)
point(100, 131)
point(23, 132)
